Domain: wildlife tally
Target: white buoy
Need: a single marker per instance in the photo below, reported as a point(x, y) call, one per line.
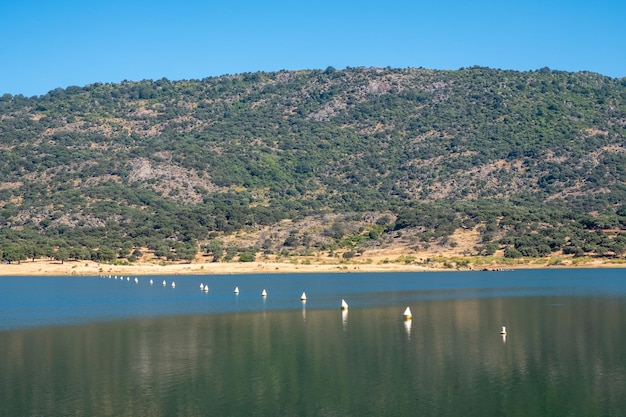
point(236, 290)
point(164, 283)
point(264, 293)
point(206, 288)
point(151, 282)
point(136, 280)
point(503, 330)
point(173, 284)
point(303, 296)
point(127, 278)
point(407, 314)
point(344, 305)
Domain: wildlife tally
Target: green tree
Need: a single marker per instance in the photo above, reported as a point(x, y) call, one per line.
point(216, 248)
point(512, 253)
point(337, 230)
point(106, 254)
point(61, 254)
point(13, 253)
point(187, 252)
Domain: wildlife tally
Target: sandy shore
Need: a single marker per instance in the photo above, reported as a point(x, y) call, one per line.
point(44, 267)
point(51, 268)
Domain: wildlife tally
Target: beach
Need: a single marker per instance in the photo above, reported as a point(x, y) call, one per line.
point(54, 268)
point(296, 265)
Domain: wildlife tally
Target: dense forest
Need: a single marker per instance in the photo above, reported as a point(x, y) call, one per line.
point(535, 161)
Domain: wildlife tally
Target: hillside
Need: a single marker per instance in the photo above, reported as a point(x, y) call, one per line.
point(336, 161)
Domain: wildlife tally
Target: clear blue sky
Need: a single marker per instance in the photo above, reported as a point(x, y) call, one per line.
point(58, 43)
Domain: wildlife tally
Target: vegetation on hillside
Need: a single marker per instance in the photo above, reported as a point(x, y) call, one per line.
point(535, 160)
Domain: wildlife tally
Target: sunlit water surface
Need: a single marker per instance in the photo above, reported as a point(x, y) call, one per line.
point(106, 347)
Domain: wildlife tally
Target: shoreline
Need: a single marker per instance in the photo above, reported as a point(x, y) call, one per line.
point(43, 267)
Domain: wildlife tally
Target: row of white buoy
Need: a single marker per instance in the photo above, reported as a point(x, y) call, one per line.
point(407, 315)
point(165, 284)
point(121, 278)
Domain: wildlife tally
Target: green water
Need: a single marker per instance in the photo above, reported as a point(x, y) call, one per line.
point(563, 356)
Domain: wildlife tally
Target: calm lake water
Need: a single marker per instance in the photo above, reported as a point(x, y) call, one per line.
point(78, 346)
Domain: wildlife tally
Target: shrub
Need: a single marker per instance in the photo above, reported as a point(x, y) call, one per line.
point(512, 253)
point(246, 257)
point(555, 261)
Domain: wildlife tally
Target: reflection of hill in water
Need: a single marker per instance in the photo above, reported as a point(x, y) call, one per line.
point(561, 354)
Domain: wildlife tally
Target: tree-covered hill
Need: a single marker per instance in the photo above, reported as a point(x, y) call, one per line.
point(535, 160)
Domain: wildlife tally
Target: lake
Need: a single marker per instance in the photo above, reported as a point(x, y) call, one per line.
point(76, 346)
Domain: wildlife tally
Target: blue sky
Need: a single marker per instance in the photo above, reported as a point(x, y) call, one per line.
point(58, 43)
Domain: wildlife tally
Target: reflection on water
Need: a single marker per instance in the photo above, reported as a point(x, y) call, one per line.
point(563, 356)
point(407, 327)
